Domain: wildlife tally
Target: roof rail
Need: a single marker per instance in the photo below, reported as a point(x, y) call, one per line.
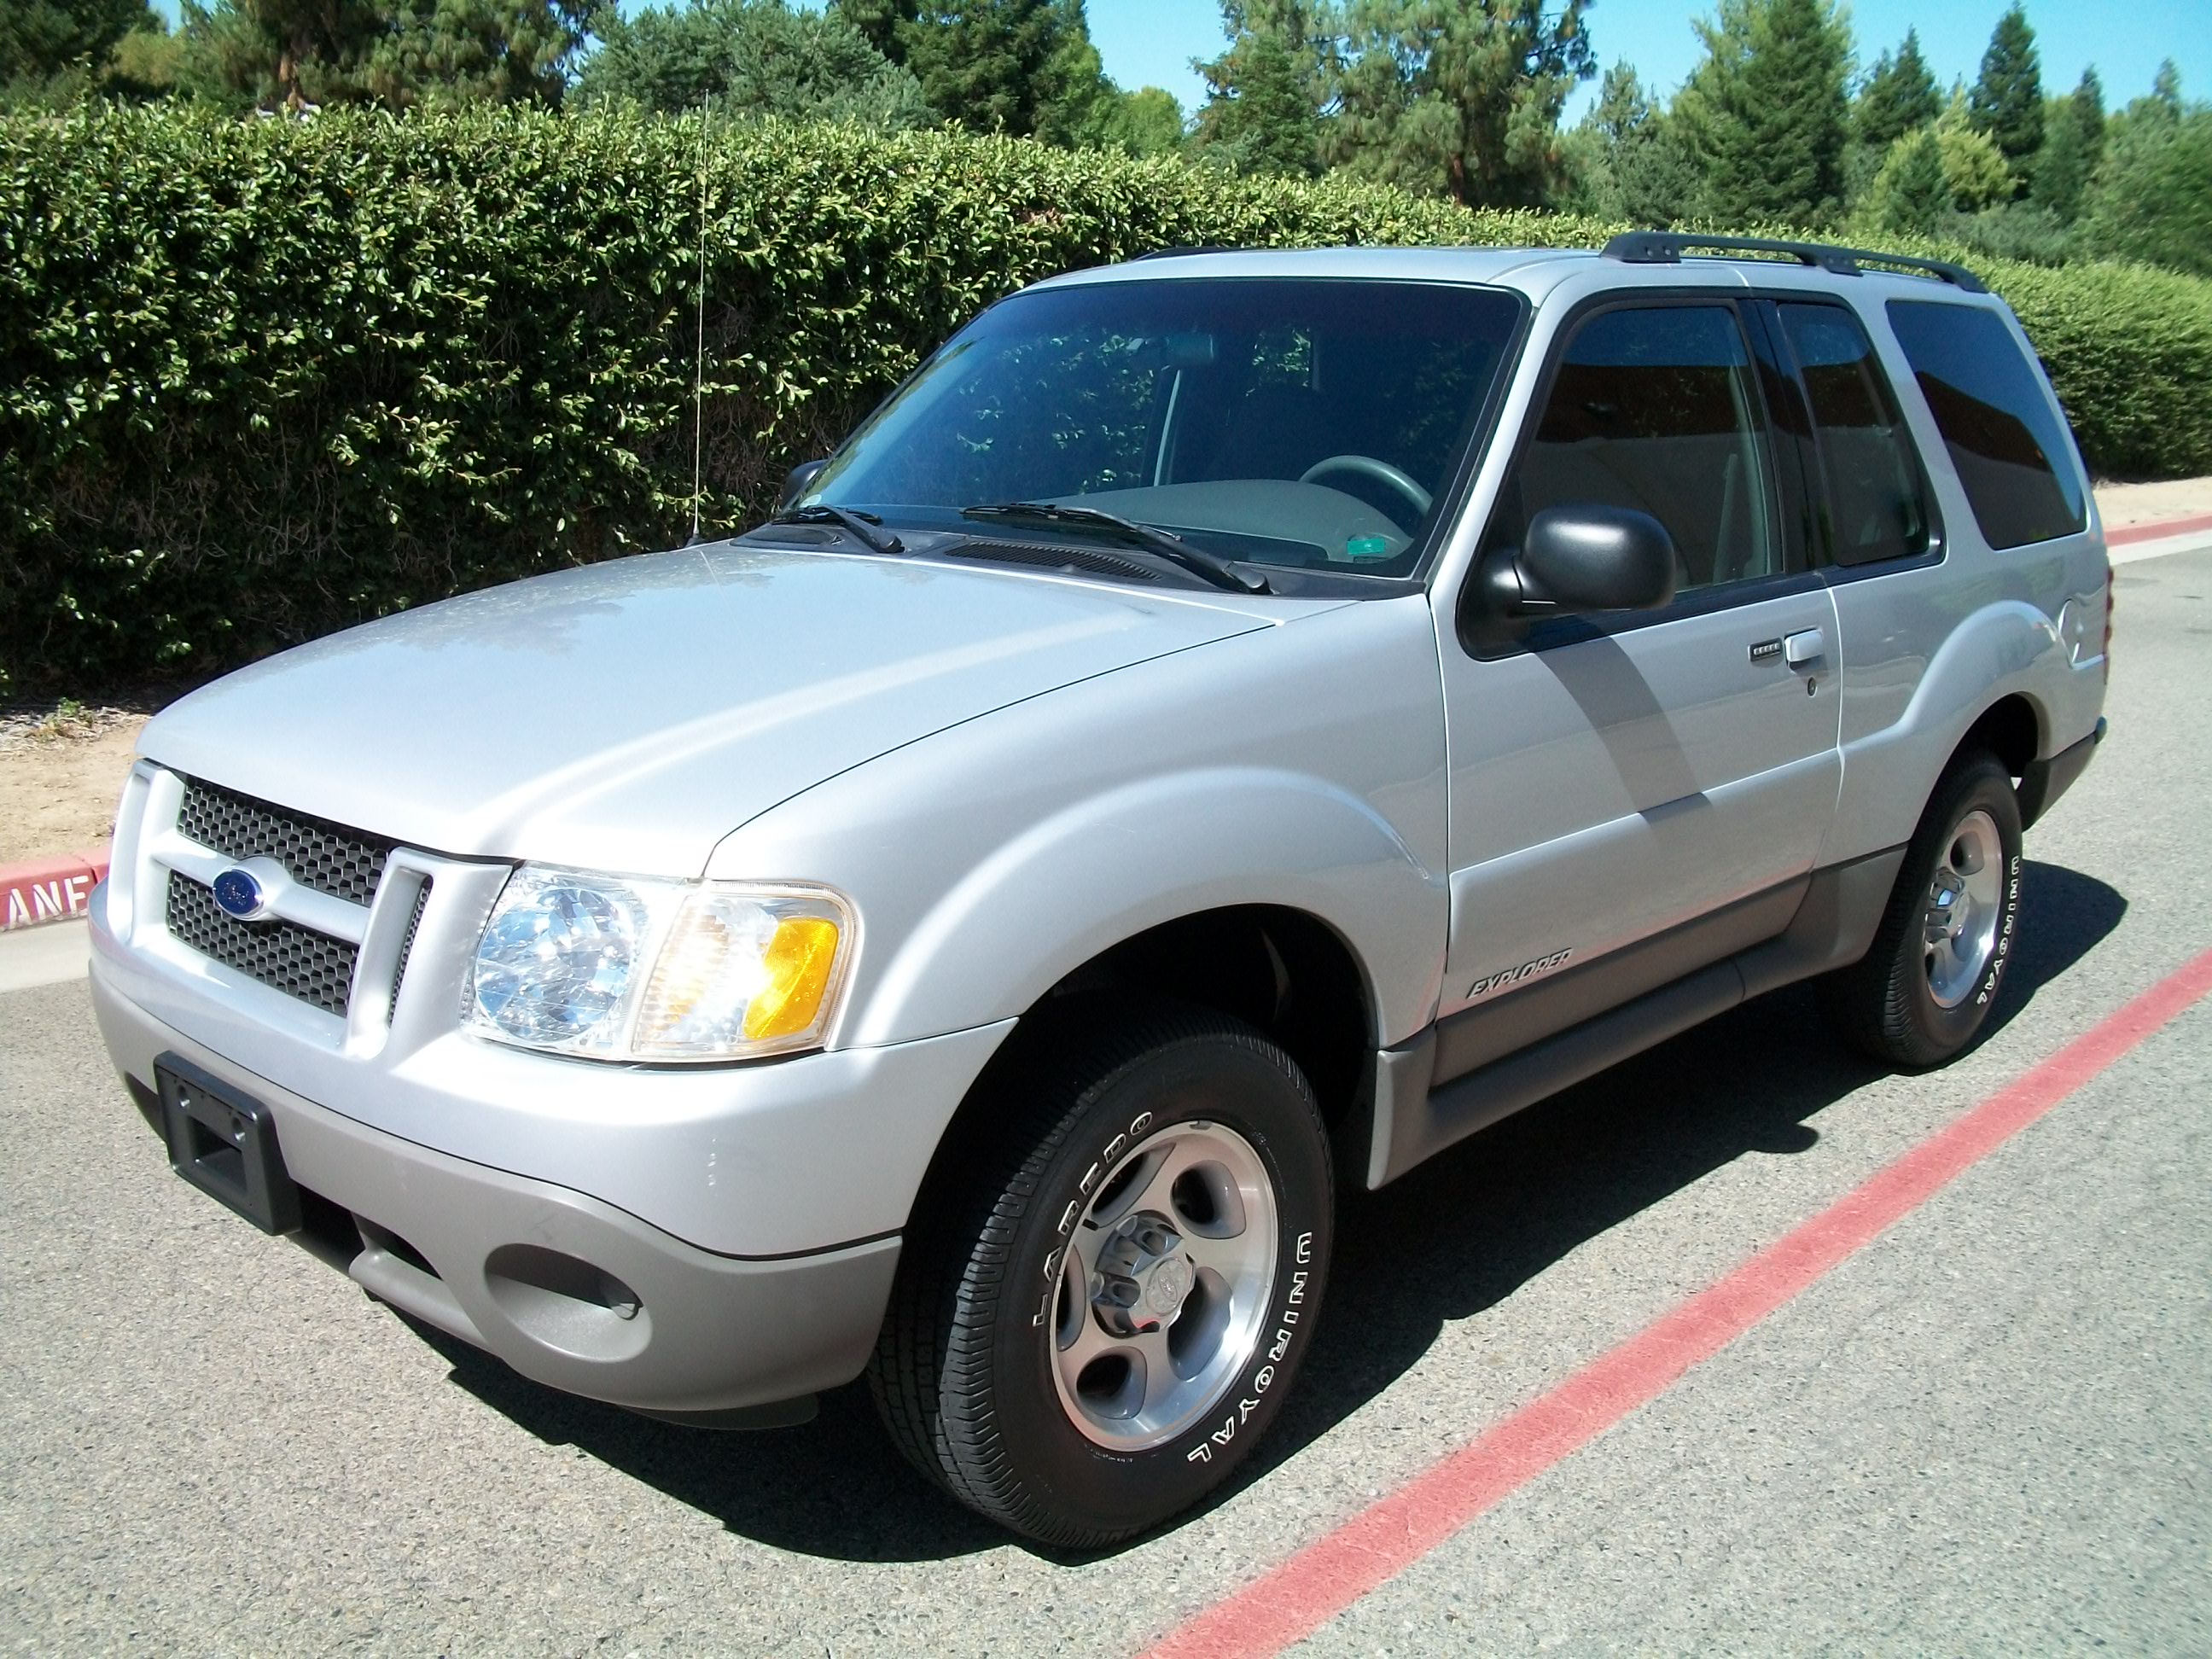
point(1185, 252)
point(1666, 247)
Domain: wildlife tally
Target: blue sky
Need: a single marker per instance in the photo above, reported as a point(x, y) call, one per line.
point(1152, 42)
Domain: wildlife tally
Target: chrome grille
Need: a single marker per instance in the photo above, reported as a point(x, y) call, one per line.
point(296, 960)
point(327, 857)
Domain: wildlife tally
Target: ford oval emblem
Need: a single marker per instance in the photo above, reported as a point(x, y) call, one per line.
point(237, 894)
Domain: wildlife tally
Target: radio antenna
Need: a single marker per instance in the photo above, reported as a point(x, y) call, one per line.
point(699, 358)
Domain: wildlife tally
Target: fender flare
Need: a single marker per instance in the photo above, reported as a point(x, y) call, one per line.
point(1040, 904)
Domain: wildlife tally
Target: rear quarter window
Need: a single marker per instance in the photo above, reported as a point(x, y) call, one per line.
point(2011, 454)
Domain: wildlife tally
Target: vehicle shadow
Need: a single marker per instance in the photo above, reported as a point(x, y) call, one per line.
point(1449, 1241)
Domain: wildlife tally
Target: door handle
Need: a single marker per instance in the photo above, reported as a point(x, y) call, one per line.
point(1807, 645)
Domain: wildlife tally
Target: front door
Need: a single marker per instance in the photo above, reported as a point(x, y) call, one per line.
point(1621, 777)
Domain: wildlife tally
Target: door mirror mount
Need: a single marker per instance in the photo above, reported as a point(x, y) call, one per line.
point(796, 481)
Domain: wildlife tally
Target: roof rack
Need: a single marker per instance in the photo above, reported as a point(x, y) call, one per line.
point(1186, 252)
point(1666, 247)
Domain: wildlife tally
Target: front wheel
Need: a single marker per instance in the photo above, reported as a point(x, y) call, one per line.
point(1102, 1305)
point(1927, 985)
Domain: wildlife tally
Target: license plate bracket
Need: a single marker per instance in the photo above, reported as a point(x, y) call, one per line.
point(225, 1144)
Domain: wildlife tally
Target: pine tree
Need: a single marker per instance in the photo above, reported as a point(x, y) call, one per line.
point(2166, 86)
point(40, 37)
point(2152, 199)
point(988, 65)
point(1259, 116)
point(1974, 167)
point(281, 53)
point(1461, 101)
point(1636, 171)
point(1765, 117)
point(1911, 193)
point(2007, 102)
point(296, 54)
point(1077, 104)
point(2073, 144)
point(1898, 95)
point(444, 52)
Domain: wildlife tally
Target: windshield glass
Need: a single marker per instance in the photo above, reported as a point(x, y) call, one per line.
point(1292, 422)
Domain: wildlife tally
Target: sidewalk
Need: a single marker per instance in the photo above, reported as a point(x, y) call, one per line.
point(60, 776)
point(2125, 507)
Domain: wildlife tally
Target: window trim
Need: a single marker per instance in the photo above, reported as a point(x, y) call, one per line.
point(1798, 573)
point(1820, 543)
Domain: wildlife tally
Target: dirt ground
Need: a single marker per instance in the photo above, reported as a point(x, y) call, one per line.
point(61, 774)
point(62, 767)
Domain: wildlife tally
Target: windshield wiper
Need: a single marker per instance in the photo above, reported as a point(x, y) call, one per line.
point(861, 526)
point(1153, 539)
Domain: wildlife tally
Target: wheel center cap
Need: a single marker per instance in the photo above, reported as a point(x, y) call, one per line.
point(1167, 1286)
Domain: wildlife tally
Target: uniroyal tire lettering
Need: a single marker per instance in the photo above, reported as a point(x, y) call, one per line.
point(1988, 987)
point(1264, 1378)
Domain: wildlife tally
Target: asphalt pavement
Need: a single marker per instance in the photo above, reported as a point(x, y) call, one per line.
point(1986, 1433)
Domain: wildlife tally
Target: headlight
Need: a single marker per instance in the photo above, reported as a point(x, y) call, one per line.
point(637, 968)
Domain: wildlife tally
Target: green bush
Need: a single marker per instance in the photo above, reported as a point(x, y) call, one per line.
point(261, 379)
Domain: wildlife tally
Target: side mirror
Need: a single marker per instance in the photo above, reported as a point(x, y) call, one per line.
point(1585, 558)
point(795, 481)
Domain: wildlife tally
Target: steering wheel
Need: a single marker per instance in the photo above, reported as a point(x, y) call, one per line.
point(1381, 472)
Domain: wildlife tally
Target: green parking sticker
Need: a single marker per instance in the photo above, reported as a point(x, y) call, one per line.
point(1367, 547)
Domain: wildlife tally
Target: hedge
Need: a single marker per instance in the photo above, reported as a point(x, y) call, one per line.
point(259, 380)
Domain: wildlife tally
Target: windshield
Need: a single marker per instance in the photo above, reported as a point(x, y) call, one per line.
point(1290, 422)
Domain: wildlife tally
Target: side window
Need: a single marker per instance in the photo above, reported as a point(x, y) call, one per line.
point(1656, 408)
point(2007, 445)
point(1874, 482)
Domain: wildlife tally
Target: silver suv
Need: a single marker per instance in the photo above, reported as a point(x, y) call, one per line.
point(1228, 727)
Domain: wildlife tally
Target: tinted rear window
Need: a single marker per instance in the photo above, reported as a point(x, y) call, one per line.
point(2009, 451)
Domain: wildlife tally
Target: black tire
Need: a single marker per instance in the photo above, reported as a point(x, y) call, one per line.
point(1888, 1003)
point(965, 1372)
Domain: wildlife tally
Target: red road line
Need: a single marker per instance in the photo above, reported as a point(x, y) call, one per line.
point(2154, 530)
point(1328, 1574)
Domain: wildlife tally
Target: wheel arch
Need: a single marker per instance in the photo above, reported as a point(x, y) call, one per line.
point(1282, 970)
point(2011, 728)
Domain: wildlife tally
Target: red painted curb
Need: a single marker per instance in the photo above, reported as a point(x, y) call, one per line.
point(1297, 1598)
point(2153, 531)
point(48, 890)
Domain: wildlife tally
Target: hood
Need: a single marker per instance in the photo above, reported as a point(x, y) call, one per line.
point(627, 716)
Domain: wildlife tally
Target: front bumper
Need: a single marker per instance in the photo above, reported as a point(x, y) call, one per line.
point(569, 1290)
point(773, 1158)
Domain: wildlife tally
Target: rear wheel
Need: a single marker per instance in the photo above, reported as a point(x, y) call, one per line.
point(1923, 990)
point(1102, 1305)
